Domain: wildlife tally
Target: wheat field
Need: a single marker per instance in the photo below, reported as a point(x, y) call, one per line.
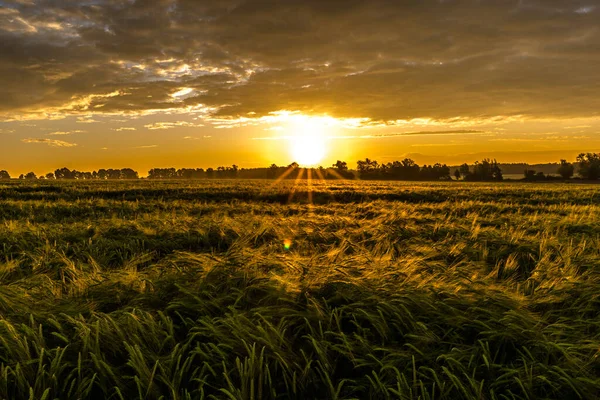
point(327, 290)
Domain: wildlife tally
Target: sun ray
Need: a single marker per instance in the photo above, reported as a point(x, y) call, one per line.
point(278, 179)
point(318, 172)
point(336, 174)
point(293, 189)
point(309, 185)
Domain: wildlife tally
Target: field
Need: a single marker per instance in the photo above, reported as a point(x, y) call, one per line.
point(234, 290)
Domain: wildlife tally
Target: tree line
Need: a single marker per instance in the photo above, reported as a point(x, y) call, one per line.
point(587, 165)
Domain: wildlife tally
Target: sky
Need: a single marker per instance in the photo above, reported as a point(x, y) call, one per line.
point(185, 83)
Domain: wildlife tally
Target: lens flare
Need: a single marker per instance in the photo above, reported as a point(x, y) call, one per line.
point(287, 243)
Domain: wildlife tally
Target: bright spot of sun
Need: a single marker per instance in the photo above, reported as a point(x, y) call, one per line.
point(307, 144)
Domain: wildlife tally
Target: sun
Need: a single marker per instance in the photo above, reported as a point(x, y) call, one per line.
point(307, 145)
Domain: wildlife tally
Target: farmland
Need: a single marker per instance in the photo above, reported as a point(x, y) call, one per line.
point(335, 290)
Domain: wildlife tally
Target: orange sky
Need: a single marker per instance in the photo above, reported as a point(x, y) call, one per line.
point(200, 84)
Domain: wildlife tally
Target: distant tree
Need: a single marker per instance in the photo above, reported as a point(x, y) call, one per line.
point(49, 175)
point(529, 174)
point(589, 165)
point(368, 169)
point(30, 176)
point(485, 170)
point(233, 171)
point(64, 173)
point(273, 171)
point(198, 173)
point(128, 173)
point(102, 174)
point(464, 170)
point(457, 174)
point(21, 176)
point(566, 169)
point(4, 175)
point(210, 173)
point(185, 173)
point(113, 174)
point(340, 165)
point(539, 176)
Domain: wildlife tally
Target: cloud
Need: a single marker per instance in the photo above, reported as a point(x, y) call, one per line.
point(49, 142)
point(171, 125)
point(61, 133)
point(124, 128)
point(425, 133)
point(197, 138)
point(383, 60)
point(150, 146)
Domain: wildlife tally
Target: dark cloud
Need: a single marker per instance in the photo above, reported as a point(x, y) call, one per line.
point(385, 60)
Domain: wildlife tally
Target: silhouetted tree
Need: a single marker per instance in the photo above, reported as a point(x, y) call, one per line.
point(162, 173)
point(589, 165)
point(368, 169)
point(529, 174)
point(102, 174)
point(4, 175)
point(340, 166)
point(128, 173)
point(457, 174)
point(30, 176)
point(464, 170)
point(273, 171)
point(64, 173)
point(485, 170)
point(566, 169)
point(49, 175)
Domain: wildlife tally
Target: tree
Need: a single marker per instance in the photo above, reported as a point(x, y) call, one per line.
point(113, 174)
point(529, 174)
point(4, 175)
point(340, 165)
point(485, 170)
point(128, 173)
point(273, 171)
point(368, 169)
point(464, 169)
point(64, 173)
point(49, 175)
point(589, 165)
point(102, 174)
point(457, 174)
point(566, 169)
point(30, 176)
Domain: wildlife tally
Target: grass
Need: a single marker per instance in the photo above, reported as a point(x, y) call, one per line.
point(179, 290)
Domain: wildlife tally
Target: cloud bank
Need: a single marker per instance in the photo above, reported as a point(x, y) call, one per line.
point(382, 60)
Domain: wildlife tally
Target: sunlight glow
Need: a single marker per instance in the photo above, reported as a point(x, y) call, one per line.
point(307, 144)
